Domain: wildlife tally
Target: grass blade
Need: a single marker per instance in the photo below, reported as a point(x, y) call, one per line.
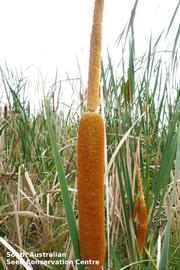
point(165, 248)
point(64, 189)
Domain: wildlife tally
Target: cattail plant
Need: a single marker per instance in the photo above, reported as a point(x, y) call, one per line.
point(90, 152)
point(140, 212)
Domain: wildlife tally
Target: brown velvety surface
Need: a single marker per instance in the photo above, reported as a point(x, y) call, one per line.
point(91, 188)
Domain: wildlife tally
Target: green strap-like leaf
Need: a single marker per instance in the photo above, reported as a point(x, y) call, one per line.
point(64, 189)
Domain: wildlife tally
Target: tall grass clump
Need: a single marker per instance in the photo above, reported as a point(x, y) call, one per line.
point(147, 99)
point(44, 199)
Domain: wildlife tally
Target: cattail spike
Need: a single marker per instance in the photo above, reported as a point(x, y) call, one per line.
point(90, 188)
point(141, 236)
point(95, 57)
point(140, 187)
point(90, 184)
point(140, 211)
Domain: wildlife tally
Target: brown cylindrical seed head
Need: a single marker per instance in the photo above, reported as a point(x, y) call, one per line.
point(95, 57)
point(90, 188)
